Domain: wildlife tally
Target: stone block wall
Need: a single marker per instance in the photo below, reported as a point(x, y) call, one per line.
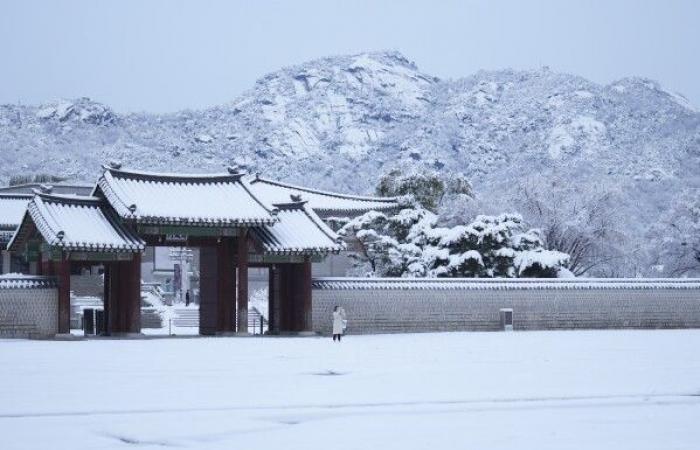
point(28, 307)
point(402, 306)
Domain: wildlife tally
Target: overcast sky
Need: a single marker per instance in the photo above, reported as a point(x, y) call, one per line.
point(167, 55)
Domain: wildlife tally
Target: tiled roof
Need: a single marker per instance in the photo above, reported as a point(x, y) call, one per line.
point(323, 202)
point(78, 223)
point(503, 283)
point(60, 187)
point(12, 209)
point(19, 281)
point(174, 199)
point(299, 231)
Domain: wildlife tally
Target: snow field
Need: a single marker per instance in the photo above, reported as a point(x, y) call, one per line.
point(535, 390)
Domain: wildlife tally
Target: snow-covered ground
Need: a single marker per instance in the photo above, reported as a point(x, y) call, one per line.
point(538, 390)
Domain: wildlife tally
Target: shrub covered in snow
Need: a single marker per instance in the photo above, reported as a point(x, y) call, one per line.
point(409, 244)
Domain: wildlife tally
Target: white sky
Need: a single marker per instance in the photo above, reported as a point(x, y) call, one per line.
point(165, 55)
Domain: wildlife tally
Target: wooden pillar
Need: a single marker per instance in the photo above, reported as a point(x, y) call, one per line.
point(107, 298)
point(294, 297)
point(243, 281)
point(226, 287)
point(61, 270)
point(132, 295)
point(208, 291)
point(123, 296)
point(112, 298)
point(305, 304)
point(283, 299)
point(273, 299)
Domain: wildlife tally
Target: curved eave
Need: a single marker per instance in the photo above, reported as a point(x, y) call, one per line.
point(304, 252)
point(118, 200)
point(209, 223)
point(354, 210)
point(87, 247)
point(52, 233)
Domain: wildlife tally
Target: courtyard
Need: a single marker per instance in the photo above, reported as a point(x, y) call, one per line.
point(525, 390)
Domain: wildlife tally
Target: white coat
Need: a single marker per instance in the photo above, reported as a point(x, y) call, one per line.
point(338, 321)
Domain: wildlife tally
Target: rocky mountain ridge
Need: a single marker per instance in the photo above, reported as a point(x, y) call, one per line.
point(340, 122)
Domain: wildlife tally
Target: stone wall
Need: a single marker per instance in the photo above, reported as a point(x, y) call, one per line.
point(401, 305)
point(28, 307)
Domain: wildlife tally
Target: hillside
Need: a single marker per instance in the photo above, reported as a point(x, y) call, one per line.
point(340, 122)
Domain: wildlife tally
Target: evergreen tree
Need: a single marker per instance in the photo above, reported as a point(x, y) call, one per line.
point(408, 244)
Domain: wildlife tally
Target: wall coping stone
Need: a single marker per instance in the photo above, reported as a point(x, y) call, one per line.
point(346, 283)
point(19, 281)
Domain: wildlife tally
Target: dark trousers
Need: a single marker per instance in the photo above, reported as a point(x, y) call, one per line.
point(337, 336)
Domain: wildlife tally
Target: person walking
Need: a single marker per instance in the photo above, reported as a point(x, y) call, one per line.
point(187, 298)
point(338, 322)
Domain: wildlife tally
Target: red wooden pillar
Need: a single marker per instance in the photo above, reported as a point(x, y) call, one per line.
point(282, 297)
point(61, 269)
point(132, 295)
point(295, 297)
point(225, 287)
point(208, 290)
point(123, 296)
point(107, 298)
point(243, 281)
point(273, 299)
point(305, 304)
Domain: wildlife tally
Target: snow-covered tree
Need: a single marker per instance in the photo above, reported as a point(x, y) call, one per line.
point(429, 188)
point(382, 242)
point(586, 224)
point(409, 244)
point(680, 232)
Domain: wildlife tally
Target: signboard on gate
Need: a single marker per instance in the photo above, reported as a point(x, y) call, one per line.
point(186, 231)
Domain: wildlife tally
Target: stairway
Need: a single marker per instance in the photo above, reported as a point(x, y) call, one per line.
point(189, 318)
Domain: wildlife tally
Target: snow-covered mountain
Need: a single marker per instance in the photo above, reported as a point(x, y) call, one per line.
point(340, 122)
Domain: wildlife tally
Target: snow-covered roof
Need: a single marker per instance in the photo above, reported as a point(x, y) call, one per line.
point(76, 223)
point(504, 283)
point(12, 209)
point(323, 202)
point(175, 199)
point(60, 187)
point(299, 231)
point(19, 281)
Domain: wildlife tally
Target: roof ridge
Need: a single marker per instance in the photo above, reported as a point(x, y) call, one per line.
point(68, 198)
point(106, 185)
point(15, 196)
point(267, 208)
point(321, 224)
point(323, 192)
point(165, 176)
